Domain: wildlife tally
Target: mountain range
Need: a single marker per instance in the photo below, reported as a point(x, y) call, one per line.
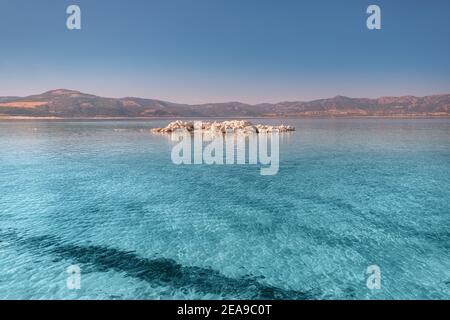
point(63, 103)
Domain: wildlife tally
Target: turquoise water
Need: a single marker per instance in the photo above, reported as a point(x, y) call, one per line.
point(106, 197)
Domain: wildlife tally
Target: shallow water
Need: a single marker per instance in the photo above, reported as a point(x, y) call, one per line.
point(106, 196)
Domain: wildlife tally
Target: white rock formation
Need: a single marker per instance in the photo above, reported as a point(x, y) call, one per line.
point(232, 126)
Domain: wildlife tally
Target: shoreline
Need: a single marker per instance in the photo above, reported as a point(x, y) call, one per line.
point(20, 118)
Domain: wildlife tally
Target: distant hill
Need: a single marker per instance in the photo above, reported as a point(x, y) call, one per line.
point(63, 103)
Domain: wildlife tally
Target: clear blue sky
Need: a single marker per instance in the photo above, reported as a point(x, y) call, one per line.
point(253, 51)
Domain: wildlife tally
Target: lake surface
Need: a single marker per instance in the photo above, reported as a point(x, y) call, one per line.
point(105, 196)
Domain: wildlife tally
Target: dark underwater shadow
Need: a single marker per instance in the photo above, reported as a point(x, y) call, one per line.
point(160, 271)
